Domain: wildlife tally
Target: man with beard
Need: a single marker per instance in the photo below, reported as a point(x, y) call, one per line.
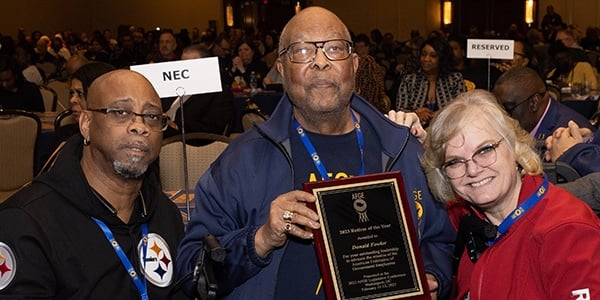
point(167, 46)
point(97, 225)
point(251, 198)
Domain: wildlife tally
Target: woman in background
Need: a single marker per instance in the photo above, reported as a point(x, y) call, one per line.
point(434, 84)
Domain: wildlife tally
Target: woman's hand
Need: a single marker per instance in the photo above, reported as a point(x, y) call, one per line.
point(410, 120)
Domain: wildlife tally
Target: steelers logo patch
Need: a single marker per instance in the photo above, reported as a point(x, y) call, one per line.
point(8, 265)
point(158, 265)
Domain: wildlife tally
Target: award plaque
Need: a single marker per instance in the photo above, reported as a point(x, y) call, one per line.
point(367, 246)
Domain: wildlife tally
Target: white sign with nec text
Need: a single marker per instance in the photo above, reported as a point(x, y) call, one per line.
point(492, 49)
point(183, 77)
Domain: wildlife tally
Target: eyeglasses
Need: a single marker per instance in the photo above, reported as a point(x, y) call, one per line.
point(306, 52)
point(510, 110)
point(156, 122)
point(73, 93)
point(484, 157)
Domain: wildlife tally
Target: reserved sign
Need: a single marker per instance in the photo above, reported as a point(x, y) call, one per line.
point(183, 77)
point(492, 49)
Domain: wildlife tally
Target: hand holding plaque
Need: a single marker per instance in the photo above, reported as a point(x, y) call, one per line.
point(367, 246)
point(288, 215)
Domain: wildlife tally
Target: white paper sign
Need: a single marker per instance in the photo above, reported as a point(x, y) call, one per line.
point(493, 49)
point(183, 77)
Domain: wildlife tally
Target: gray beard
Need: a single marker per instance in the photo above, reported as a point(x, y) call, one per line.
point(131, 172)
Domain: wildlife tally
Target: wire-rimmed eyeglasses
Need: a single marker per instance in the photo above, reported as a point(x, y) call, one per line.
point(484, 157)
point(306, 52)
point(156, 122)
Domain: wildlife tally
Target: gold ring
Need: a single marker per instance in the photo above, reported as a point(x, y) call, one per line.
point(288, 227)
point(288, 215)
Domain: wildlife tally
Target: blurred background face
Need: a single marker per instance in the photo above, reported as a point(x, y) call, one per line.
point(430, 61)
point(519, 58)
point(361, 49)
point(222, 49)
point(8, 80)
point(166, 44)
point(77, 99)
point(457, 50)
point(245, 53)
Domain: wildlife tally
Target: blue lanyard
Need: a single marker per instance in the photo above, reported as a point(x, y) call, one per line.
point(521, 210)
point(313, 152)
point(139, 284)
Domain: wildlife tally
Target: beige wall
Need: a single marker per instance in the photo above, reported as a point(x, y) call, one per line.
point(396, 16)
point(77, 15)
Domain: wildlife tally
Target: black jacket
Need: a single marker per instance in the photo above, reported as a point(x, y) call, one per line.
point(59, 252)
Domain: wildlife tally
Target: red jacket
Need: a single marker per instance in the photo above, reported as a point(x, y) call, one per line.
point(552, 252)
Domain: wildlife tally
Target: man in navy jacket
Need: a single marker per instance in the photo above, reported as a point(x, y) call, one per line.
point(251, 197)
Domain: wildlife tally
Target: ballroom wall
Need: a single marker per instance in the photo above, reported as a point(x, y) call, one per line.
point(86, 16)
point(395, 16)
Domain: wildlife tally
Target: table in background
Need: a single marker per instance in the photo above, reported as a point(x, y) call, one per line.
point(585, 105)
point(265, 100)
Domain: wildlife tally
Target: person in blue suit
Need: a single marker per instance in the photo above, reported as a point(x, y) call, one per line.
point(523, 94)
point(251, 198)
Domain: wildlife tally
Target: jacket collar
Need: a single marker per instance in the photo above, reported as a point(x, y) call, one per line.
point(393, 137)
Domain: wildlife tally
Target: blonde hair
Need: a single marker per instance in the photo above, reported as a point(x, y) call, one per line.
point(460, 114)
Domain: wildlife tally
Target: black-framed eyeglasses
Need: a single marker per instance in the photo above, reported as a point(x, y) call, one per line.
point(306, 52)
point(156, 122)
point(510, 110)
point(77, 92)
point(484, 157)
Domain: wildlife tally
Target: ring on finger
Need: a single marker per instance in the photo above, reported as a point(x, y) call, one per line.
point(288, 227)
point(288, 215)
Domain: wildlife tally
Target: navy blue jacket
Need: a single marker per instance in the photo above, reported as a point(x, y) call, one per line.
point(559, 115)
point(233, 199)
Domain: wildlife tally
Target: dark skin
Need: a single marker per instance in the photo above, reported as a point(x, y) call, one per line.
point(132, 146)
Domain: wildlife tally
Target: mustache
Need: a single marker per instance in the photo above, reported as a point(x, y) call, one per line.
point(135, 144)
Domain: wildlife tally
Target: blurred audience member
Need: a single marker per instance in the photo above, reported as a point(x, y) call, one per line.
point(81, 81)
point(568, 71)
point(22, 56)
point(551, 22)
point(15, 91)
point(212, 112)
point(522, 92)
point(370, 76)
point(434, 84)
point(247, 61)
point(167, 46)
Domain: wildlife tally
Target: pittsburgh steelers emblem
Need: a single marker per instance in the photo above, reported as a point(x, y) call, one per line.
point(158, 266)
point(8, 265)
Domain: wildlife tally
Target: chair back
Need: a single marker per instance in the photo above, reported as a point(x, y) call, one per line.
point(252, 114)
point(560, 172)
point(49, 96)
point(199, 158)
point(65, 125)
point(19, 133)
point(62, 93)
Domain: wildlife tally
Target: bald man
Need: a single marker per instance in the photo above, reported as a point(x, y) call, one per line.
point(251, 198)
point(97, 225)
